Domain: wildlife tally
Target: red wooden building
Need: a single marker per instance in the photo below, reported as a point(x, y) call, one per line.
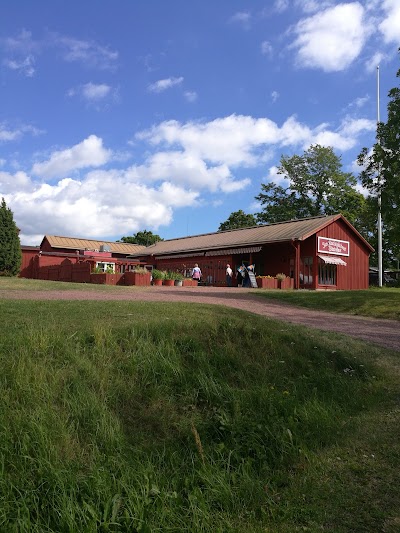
point(324, 252)
point(73, 259)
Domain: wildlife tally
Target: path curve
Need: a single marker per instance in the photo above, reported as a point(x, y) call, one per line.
point(383, 332)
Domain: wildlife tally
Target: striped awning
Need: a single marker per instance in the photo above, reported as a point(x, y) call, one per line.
point(332, 260)
point(235, 251)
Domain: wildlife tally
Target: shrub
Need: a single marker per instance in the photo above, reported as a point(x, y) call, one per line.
point(280, 276)
point(158, 274)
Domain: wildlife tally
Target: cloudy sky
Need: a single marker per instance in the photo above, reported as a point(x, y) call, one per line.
point(167, 115)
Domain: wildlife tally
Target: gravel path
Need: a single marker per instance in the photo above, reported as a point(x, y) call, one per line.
point(379, 331)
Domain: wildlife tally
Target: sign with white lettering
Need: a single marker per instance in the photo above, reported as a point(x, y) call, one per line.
point(333, 246)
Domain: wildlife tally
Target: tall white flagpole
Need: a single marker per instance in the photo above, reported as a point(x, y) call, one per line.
point(380, 271)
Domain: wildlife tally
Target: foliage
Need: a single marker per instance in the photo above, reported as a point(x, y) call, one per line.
point(238, 219)
point(280, 276)
point(172, 274)
point(99, 270)
point(381, 175)
point(141, 270)
point(10, 246)
point(179, 417)
point(157, 274)
point(317, 186)
point(144, 238)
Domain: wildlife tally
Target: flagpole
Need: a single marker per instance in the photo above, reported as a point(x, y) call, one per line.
point(380, 270)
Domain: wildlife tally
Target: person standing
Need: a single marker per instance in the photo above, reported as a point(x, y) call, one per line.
point(196, 272)
point(229, 274)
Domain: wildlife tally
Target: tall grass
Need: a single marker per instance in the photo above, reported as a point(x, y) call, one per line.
point(161, 417)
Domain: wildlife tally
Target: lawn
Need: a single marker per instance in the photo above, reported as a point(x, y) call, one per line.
point(374, 302)
point(144, 417)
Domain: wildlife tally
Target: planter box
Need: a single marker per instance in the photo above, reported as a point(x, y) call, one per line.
point(178, 283)
point(267, 283)
point(187, 282)
point(157, 282)
point(136, 278)
point(168, 282)
point(287, 283)
point(106, 279)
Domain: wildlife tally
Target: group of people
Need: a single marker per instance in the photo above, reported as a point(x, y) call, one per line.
point(242, 275)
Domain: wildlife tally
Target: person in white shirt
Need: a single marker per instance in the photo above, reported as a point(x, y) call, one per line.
point(229, 274)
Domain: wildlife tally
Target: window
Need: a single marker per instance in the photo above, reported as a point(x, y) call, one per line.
point(326, 274)
point(106, 267)
point(306, 273)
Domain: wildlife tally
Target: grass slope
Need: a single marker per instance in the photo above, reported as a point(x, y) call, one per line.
point(138, 417)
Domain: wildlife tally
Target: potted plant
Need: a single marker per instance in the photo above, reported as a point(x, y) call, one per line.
point(158, 276)
point(178, 279)
point(267, 282)
point(169, 278)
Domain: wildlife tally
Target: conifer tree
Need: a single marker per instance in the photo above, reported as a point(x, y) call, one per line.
point(10, 246)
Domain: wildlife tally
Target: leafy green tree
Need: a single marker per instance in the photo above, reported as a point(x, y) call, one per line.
point(145, 238)
point(238, 219)
point(317, 185)
point(381, 175)
point(10, 246)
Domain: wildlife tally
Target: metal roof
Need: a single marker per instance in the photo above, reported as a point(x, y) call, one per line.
point(73, 243)
point(257, 235)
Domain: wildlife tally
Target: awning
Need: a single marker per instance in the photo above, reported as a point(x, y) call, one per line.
point(235, 251)
point(332, 260)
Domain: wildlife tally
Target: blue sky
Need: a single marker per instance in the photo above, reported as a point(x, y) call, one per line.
point(119, 116)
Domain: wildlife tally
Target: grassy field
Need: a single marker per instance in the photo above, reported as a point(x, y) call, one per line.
point(143, 417)
point(374, 302)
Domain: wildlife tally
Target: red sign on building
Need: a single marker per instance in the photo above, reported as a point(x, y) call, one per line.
point(333, 246)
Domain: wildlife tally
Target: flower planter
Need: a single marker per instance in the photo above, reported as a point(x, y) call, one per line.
point(168, 282)
point(178, 283)
point(137, 278)
point(157, 282)
point(106, 279)
point(187, 282)
point(267, 283)
point(287, 283)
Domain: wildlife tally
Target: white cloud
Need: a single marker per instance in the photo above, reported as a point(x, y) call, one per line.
point(162, 85)
point(281, 5)
point(375, 61)
point(311, 6)
point(88, 153)
point(87, 52)
point(7, 134)
point(239, 140)
point(24, 66)
point(10, 183)
point(266, 48)
point(92, 92)
point(332, 39)
point(274, 96)
point(243, 18)
point(191, 96)
point(390, 26)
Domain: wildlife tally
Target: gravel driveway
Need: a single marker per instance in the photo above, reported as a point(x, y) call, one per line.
point(379, 331)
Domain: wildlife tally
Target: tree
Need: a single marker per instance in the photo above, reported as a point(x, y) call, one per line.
point(10, 246)
point(145, 238)
point(317, 186)
point(381, 175)
point(238, 219)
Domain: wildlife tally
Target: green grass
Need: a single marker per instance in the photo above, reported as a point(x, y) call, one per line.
point(140, 417)
point(23, 284)
point(374, 302)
